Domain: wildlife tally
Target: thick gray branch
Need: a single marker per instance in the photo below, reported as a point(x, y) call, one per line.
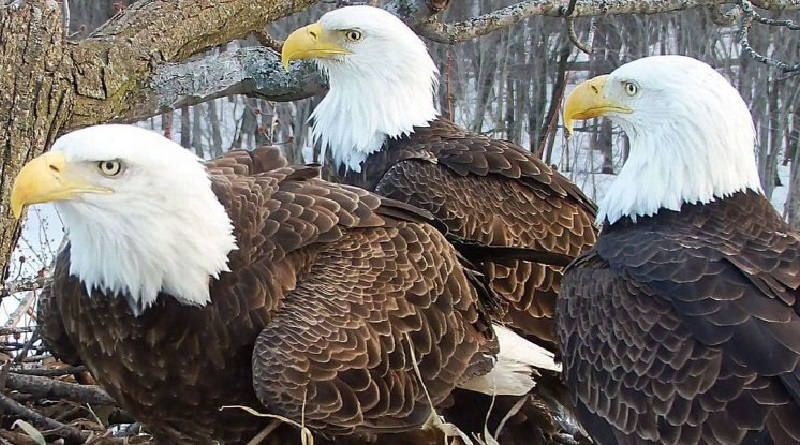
point(47, 388)
point(510, 15)
point(255, 71)
point(70, 434)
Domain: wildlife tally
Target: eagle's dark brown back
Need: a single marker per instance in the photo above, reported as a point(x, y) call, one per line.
point(494, 193)
point(685, 327)
point(337, 283)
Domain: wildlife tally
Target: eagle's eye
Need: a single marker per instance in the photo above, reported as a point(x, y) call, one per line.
point(352, 35)
point(631, 88)
point(110, 168)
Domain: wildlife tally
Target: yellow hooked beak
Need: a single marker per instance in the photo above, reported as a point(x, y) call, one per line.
point(588, 100)
point(48, 178)
point(310, 42)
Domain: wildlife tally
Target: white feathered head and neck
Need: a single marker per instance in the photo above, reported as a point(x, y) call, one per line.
point(691, 135)
point(381, 77)
point(139, 210)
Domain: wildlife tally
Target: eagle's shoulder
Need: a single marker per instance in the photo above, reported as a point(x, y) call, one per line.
point(690, 308)
point(468, 153)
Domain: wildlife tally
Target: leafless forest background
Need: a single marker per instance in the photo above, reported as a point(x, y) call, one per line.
point(507, 84)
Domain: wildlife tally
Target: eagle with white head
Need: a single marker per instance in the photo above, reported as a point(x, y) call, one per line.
point(187, 286)
point(379, 129)
point(379, 124)
point(682, 324)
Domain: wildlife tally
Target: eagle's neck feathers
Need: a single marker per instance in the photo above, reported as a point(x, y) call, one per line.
point(687, 156)
point(151, 246)
point(363, 108)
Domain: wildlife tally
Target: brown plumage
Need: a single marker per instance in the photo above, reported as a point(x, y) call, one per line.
point(331, 285)
point(490, 192)
point(494, 193)
point(682, 325)
point(379, 130)
point(685, 328)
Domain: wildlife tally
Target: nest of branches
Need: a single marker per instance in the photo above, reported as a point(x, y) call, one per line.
point(46, 402)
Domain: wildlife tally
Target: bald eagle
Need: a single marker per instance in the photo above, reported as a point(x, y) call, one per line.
point(682, 324)
point(379, 126)
point(244, 281)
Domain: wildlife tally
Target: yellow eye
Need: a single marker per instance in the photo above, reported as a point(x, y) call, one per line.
point(631, 88)
point(352, 35)
point(110, 168)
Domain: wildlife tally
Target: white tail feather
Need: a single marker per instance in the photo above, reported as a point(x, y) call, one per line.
point(516, 362)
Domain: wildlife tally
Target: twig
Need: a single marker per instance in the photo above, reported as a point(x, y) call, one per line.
point(749, 15)
point(50, 372)
point(267, 40)
point(70, 434)
point(790, 24)
point(573, 35)
point(16, 438)
point(47, 388)
point(724, 19)
point(27, 346)
point(259, 438)
point(451, 33)
point(16, 330)
point(26, 285)
point(551, 120)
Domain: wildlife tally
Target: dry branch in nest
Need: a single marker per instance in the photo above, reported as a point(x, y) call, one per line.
point(43, 401)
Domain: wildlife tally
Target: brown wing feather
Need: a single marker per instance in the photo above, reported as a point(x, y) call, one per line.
point(51, 328)
point(495, 193)
point(667, 336)
point(174, 366)
point(336, 353)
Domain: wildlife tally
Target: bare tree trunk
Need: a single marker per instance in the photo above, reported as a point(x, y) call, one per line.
point(197, 131)
point(186, 127)
point(775, 138)
point(216, 134)
point(263, 133)
point(792, 206)
point(35, 97)
point(168, 123)
point(548, 131)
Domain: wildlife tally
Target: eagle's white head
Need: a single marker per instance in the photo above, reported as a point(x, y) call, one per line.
point(381, 77)
point(691, 135)
point(139, 211)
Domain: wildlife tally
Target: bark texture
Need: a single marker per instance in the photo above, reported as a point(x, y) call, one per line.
point(35, 96)
point(49, 85)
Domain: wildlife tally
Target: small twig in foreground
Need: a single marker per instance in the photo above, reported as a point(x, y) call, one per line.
point(45, 387)
point(573, 37)
point(267, 40)
point(70, 434)
point(50, 372)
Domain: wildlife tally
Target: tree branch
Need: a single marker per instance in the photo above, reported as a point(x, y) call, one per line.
point(451, 33)
point(255, 71)
point(749, 15)
point(70, 434)
point(116, 65)
point(55, 372)
point(24, 285)
point(47, 388)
